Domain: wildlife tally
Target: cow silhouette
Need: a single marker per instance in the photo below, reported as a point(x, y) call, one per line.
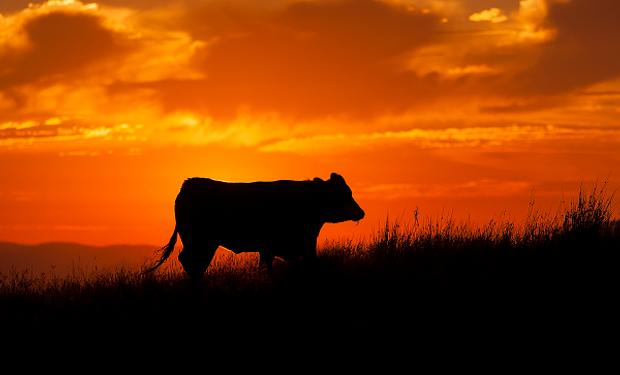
point(277, 219)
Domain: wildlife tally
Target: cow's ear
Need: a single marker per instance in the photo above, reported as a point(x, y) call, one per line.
point(316, 179)
point(336, 177)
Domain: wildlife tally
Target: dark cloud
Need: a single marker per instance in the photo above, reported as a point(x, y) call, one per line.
point(60, 45)
point(10, 6)
point(526, 106)
point(308, 60)
point(586, 50)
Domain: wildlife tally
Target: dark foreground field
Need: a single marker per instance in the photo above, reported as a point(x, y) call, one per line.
point(552, 280)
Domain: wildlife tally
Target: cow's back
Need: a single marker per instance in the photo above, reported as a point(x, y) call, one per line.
point(248, 209)
point(278, 195)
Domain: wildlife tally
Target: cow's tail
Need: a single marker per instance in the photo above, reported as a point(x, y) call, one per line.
point(164, 252)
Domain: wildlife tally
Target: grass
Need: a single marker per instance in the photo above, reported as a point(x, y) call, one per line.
point(433, 278)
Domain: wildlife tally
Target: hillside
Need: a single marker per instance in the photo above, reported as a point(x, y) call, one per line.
point(550, 281)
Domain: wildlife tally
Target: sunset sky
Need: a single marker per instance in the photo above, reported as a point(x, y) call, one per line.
point(466, 107)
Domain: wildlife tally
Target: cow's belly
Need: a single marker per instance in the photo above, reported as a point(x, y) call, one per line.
point(288, 255)
point(287, 250)
point(257, 230)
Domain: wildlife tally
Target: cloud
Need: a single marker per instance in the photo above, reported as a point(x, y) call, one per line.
point(58, 43)
point(493, 15)
point(478, 137)
point(18, 134)
point(584, 52)
point(255, 73)
point(306, 60)
point(477, 188)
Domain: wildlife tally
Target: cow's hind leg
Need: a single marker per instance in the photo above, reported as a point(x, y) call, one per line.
point(195, 259)
point(308, 253)
point(310, 257)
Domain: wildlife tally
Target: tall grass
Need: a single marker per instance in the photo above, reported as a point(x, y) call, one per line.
point(415, 277)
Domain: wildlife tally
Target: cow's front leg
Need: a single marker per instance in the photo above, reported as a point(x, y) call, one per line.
point(266, 260)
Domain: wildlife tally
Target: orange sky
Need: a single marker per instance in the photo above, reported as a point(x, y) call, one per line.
point(465, 107)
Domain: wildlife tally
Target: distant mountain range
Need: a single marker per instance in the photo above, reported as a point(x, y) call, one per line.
point(60, 258)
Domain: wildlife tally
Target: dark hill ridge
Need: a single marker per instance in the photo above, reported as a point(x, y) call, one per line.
point(59, 258)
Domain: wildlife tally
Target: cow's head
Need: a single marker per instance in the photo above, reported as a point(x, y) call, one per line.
point(342, 206)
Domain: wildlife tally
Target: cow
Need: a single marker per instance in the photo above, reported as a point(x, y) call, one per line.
point(277, 219)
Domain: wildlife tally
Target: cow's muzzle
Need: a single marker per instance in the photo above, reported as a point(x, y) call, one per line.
point(351, 211)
